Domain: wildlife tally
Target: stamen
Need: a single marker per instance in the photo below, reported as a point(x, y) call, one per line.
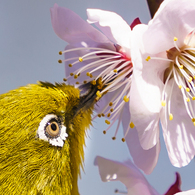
point(132, 125)
point(170, 117)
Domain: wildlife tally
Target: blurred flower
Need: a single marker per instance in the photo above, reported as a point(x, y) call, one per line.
point(189, 192)
point(164, 78)
point(104, 60)
point(131, 177)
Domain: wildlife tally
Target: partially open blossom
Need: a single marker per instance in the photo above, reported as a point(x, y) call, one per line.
point(131, 177)
point(104, 60)
point(164, 79)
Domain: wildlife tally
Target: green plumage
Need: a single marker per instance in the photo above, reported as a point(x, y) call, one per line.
point(29, 165)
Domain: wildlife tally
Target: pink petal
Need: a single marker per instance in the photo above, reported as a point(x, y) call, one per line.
point(179, 134)
point(176, 187)
point(73, 29)
point(127, 173)
point(112, 25)
point(146, 160)
point(173, 19)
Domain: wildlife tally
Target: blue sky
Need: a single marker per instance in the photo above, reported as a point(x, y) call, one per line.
point(29, 52)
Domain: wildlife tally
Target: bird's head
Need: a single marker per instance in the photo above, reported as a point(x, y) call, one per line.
point(42, 134)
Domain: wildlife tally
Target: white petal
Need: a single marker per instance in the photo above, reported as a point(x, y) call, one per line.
point(189, 192)
point(146, 90)
point(112, 25)
point(173, 19)
point(179, 133)
point(127, 173)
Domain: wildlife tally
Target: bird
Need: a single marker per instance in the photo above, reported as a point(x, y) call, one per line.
point(42, 137)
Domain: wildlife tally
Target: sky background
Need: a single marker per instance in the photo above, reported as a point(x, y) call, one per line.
point(29, 52)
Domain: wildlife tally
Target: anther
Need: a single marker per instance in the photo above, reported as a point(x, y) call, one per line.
point(75, 76)
point(80, 59)
point(110, 104)
point(188, 99)
point(111, 110)
point(193, 120)
point(187, 89)
point(107, 122)
point(70, 65)
point(181, 67)
point(113, 138)
point(125, 98)
point(193, 98)
point(99, 115)
point(123, 139)
point(88, 74)
point(190, 79)
point(170, 117)
point(115, 70)
point(132, 125)
point(99, 94)
point(163, 103)
point(180, 86)
point(175, 39)
point(108, 115)
point(71, 74)
point(103, 114)
point(104, 132)
point(60, 52)
point(84, 82)
point(64, 79)
point(77, 82)
point(60, 61)
point(93, 82)
point(148, 58)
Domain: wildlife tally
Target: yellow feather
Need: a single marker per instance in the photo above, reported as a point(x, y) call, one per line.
point(29, 165)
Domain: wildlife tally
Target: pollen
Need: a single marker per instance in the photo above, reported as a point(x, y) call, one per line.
point(190, 79)
point(187, 89)
point(193, 98)
point(60, 52)
point(64, 79)
point(108, 115)
point(103, 114)
point(193, 120)
point(77, 82)
point(126, 99)
point(148, 58)
point(181, 66)
point(107, 122)
point(75, 76)
point(111, 110)
point(99, 94)
point(123, 139)
point(99, 115)
point(115, 70)
point(132, 125)
point(188, 99)
point(84, 82)
point(170, 117)
point(88, 74)
point(180, 86)
point(104, 132)
point(110, 104)
point(163, 103)
point(175, 39)
point(113, 138)
point(93, 82)
point(71, 74)
point(60, 61)
point(70, 65)
point(80, 59)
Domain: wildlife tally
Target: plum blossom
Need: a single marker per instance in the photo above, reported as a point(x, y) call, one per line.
point(164, 78)
point(131, 177)
point(103, 59)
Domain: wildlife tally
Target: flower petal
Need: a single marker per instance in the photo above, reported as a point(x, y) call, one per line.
point(179, 133)
point(146, 90)
point(173, 19)
point(73, 29)
point(146, 160)
point(112, 25)
point(127, 173)
point(189, 192)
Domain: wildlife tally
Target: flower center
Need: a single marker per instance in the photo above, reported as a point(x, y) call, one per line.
point(182, 69)
point(109, 71)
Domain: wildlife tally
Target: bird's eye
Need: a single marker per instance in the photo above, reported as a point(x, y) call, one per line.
point(52, 129)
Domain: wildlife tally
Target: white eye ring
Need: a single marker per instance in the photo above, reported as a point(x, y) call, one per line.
point(58, 140)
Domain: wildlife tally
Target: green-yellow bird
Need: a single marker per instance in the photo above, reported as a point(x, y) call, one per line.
point(42, 134)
